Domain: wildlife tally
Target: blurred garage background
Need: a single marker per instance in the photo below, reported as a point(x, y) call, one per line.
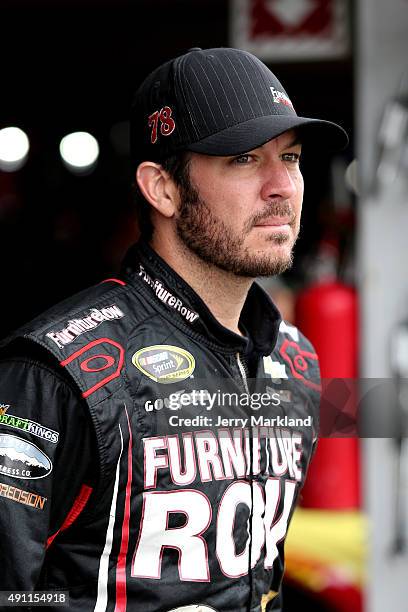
point(67, 218)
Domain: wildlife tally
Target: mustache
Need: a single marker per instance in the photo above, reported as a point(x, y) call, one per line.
point(275, 209)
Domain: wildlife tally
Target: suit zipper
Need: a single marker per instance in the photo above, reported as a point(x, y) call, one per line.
point(241, 368)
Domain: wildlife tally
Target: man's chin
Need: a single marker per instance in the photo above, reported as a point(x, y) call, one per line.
point(274, 267)
point(265, 264)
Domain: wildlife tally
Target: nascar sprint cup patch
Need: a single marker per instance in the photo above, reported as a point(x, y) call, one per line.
point(164, 363)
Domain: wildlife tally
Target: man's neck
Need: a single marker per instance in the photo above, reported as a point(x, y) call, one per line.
point(223, 292)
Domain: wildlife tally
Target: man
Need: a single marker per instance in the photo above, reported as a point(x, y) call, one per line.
point(126, 479)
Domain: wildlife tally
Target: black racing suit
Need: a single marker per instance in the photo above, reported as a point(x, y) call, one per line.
point(138, 469)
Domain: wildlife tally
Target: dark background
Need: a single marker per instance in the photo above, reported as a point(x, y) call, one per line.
point(70, 66)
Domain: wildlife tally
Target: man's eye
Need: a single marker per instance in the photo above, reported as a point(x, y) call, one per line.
point(242, 159)
point(291, 157)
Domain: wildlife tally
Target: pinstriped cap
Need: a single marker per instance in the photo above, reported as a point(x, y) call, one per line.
point(217, 102)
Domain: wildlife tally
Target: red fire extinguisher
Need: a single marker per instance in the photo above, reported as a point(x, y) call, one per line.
point(326, 312)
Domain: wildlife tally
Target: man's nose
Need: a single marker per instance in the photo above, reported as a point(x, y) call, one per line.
point(279, 183)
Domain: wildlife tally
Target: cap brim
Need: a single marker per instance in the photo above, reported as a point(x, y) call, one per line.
point(254, 133)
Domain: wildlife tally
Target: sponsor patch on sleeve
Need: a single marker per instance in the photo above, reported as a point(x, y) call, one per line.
point(22, 459)
point(27, 425)
point(22, 497)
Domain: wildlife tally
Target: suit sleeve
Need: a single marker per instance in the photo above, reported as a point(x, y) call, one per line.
point(46, 444)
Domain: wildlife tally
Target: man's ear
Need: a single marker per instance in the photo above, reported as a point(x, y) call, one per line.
point(157, 187)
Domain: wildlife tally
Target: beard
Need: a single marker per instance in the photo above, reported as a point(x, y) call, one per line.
point(208, 237)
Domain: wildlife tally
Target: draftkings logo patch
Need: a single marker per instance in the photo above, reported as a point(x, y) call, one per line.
point(31, 427)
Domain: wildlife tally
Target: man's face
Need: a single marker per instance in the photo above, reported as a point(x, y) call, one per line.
point(242, 213)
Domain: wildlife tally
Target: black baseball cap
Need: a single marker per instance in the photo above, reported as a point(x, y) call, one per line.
point(218, 102)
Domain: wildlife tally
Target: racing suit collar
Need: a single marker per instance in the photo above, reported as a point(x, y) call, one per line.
point(176, 298)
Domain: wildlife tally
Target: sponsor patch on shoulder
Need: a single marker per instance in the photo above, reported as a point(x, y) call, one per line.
point(164, 363)
point(76, 327)
point(22, 459)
